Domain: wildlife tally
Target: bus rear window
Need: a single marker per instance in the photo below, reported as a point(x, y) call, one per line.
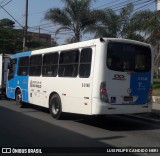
point(128, 57)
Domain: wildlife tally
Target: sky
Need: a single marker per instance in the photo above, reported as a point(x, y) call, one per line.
point(37, 9)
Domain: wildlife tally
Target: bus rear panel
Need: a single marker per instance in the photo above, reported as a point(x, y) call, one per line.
point(126, 86)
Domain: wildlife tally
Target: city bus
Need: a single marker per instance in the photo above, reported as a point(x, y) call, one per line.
point(95, 77)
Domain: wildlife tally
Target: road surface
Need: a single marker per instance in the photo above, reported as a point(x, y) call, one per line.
point(34, 127)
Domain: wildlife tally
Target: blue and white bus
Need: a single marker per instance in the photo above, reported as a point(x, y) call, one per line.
point(95, 77)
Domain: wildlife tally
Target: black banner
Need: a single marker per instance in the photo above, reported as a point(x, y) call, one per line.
point(39, 150)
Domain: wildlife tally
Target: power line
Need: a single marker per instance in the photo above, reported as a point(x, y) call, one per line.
point(118, 7)
point(105, 4)
point(7, 3)
point(2, 1)
point(110, 5)
point(11, 16)
point(146, 5)
point(123, 4)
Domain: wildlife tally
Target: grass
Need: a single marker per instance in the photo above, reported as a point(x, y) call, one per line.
point(156, 87)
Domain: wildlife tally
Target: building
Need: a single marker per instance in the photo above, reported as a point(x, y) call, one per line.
point(44, 39)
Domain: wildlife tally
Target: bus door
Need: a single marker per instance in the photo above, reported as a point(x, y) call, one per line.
point(129, 74)
point(10, 89)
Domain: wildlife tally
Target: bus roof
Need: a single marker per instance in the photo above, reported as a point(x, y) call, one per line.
point(82, 44)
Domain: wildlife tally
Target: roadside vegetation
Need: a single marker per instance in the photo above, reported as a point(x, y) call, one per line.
point(156, 87)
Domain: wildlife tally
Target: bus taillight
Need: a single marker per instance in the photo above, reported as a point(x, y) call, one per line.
point(103, 92)
point(150, 93)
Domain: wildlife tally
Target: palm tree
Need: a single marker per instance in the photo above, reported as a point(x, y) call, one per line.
point(107, 25)
point(147, 22)
point(76, 17)
point(120, 25)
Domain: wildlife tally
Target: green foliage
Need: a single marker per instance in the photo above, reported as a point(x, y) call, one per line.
point(11, 39)
point(6, 23)
point(156, 88)
point(76, 17)
point(156, 84)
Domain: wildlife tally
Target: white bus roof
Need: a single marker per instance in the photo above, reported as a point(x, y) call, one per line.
point(82, 44)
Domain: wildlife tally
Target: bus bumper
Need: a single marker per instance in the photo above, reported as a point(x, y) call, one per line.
point(99, 107)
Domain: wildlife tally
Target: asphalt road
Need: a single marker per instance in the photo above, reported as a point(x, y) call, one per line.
point(34, 127)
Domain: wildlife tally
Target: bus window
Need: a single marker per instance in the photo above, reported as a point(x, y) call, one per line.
point(50, 65)
point(12, 69)
point(85, 62)
point(124, 56)
point(68, 65)
point(35, 65)
point(23, 66)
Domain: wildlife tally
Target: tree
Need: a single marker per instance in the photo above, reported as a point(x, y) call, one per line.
point(121, 25)
point(107, 26)
point(11, 39)
point(147, 22)
point(76, 17)
point(6, 23)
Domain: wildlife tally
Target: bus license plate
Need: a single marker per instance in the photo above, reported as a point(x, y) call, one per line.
point(128, 98)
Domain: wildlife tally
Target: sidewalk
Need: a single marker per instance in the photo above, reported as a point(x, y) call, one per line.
point(156, 105)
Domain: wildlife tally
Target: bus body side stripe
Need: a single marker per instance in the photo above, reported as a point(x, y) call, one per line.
point(22, 54)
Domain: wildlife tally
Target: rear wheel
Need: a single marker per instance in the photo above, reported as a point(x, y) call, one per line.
point(55, 106)
point(19, 101)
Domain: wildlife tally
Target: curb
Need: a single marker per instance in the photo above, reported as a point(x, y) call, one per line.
point(156, 99)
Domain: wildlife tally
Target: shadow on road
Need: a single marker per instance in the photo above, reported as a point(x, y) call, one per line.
point(107, 122)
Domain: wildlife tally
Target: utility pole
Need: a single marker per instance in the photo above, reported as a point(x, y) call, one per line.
point(26, 26)
point(39, 31)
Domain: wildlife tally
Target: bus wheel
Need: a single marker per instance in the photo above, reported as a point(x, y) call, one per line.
point(55, 106)
point(19, 98)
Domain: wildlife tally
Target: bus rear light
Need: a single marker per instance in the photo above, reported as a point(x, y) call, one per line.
point(103, 92)
point(150, 94)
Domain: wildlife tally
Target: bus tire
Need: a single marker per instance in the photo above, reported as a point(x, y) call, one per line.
point(55, 106)
point(19, 101)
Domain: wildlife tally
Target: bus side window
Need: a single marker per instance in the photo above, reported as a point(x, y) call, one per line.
point(50, 65)
point(23, 66)
point(85, 62)
point(35, 65)
point(68, 64)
